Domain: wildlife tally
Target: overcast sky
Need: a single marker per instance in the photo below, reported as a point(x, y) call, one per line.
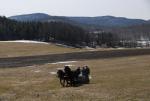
point(120, 8)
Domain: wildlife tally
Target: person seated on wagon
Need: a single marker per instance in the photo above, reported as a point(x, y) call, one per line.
point(87, 69)
point(85, 74)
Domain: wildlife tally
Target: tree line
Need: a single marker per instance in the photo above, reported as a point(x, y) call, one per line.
point(42, 31)
point(70, 34)
point(47, 31)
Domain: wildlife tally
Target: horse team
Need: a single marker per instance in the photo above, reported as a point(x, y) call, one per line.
point(70, 77)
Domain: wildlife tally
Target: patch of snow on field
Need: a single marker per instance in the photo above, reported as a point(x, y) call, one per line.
point(120, 48)
point(60, 68)
point(37, 71)
point(63, 62)
point(63, 45)
point(70, 65)
point(25, 41)
point(89, 48)
point(30, 66)
point(53, 73)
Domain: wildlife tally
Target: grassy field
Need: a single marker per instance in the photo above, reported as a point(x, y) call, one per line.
point(118, 79)
point(25, 49)
point(16, 49)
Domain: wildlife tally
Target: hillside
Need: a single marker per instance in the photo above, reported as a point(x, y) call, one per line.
point(31, 17)
point(100, 30)
point(40, 17)
point(52, 31)
point(106, 21)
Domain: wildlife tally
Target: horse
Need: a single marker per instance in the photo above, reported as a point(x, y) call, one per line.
point(60, 75)
point(66, 79)
point(63, 79)
point(69, 77)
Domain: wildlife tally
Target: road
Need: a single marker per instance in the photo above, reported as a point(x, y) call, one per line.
point(42, 59)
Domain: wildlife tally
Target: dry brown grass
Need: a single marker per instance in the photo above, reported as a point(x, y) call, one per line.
point(119, 79)
point(15, 49)
point(25, 49)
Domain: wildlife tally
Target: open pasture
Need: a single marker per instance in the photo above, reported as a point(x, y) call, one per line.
point(15, 49)
point(114, 79)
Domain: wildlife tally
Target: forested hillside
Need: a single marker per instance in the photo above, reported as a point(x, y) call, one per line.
point(43, 31)
point(131, 32)
point(60, 29)
point(100, 21)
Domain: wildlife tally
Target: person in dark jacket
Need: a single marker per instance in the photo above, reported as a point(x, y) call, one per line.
point(87, 73)
point(87, 70)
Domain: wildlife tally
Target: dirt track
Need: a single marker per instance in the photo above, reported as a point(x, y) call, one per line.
point(42, 59)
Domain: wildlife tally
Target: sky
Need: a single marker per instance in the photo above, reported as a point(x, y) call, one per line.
point(139, 9)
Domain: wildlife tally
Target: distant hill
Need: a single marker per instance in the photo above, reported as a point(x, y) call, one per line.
point(108, 21)
point(105, 21)
point(39, 17)
point(31, 17)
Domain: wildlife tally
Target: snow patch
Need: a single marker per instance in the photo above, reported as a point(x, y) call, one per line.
point(37, 71)
point(26, 41)
point(63, 62)
point(63, 45)
point(30, 66)
point(70, 65)
point(60, 68)
point(89, 48)
point(120, 48)
point(53, 73)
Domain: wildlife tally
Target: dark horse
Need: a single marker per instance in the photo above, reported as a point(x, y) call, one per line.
point(61, 76)
point(68, 77)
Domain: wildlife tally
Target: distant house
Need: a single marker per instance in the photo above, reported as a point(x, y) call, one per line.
point(143, 42)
